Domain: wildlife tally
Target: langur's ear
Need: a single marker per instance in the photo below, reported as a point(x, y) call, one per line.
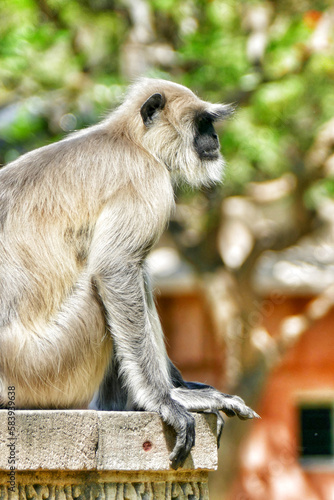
point(151, 108)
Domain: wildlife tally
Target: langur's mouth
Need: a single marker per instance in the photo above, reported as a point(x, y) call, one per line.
point(209, 155)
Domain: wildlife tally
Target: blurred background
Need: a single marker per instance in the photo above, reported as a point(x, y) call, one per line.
point(245, 273)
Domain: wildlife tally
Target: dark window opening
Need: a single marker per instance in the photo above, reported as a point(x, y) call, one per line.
point(316, 426)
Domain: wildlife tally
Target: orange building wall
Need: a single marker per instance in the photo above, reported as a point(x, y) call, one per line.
point(190, 339)
point(270, 465)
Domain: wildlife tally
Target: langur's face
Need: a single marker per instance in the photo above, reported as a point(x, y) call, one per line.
point(206, 142)
point(179, 130)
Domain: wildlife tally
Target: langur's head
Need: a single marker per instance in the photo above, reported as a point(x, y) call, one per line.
point(177, 128)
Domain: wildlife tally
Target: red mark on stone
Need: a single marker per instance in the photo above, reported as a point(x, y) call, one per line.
point(147, 446)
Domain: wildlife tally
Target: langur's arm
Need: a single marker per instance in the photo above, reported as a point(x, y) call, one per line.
point(116, 267)
point(195, 396)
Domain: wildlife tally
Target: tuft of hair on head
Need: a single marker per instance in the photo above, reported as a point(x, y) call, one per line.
point(219, 112)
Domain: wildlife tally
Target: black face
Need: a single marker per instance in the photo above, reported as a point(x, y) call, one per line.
point(206, 141)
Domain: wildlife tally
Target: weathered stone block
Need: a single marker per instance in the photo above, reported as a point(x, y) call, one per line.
point(128, 441)
point(87, 455)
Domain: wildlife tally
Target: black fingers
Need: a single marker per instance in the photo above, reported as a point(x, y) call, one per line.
point(175, 415)
point(220, 427)
point(185, 440)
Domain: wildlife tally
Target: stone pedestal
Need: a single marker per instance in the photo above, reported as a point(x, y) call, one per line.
point(88, 455)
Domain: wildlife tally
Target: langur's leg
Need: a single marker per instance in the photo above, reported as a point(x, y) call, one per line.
point(112, 394)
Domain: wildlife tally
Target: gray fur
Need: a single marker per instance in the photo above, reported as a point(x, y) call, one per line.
point(77, 220)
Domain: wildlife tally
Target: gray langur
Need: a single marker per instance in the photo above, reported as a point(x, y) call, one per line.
point(77, 220)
